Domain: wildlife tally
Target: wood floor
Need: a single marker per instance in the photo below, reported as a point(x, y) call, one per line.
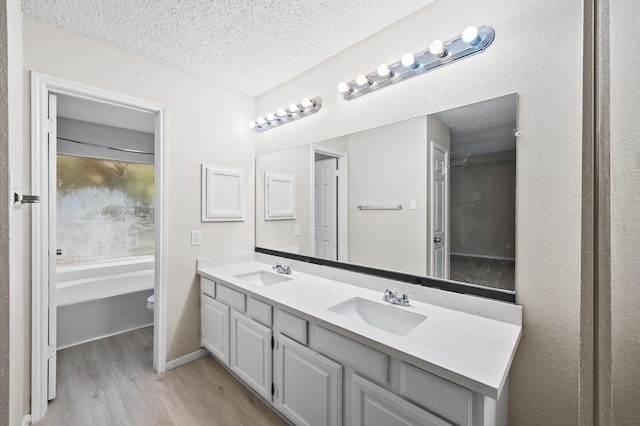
point(111, 382)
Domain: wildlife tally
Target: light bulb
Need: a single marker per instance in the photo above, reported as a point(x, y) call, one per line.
point(306, 103)
point(437, 48)
point(384, 70)
point(362, 80)
point(470, 35)
point(294, 108)
point(261, 121)
point(281, 112)
point(271, 117)
point(343, 87)
point(252, 124)
point(408, 60)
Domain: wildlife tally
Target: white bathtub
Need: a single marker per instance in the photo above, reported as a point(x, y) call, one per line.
point(94, 307)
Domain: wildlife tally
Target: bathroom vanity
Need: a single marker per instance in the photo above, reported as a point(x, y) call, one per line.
point(322, 347)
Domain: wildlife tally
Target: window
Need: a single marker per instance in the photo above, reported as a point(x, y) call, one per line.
point(105, 210)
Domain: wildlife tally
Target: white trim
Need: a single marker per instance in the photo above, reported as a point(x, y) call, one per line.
point(26, 420)
point(200, 353)
point(343, 199)
point(41, 86)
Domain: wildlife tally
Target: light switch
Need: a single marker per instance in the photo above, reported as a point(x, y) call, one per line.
point(296, 230)
point(196, 237)
point(413, 204)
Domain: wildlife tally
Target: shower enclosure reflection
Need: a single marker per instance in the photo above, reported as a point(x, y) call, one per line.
point(449, 176)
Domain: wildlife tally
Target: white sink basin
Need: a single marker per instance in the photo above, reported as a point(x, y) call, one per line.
point(263, 278)
point(385, 317)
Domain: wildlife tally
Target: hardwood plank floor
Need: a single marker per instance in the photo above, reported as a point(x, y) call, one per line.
point(111, 382)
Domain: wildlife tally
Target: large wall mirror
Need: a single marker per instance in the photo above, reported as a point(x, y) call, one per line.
point(433, 196)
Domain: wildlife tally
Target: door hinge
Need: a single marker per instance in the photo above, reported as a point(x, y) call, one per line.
point(51, 126)
point(272, 343)
point(273, 389)
point(51, 352)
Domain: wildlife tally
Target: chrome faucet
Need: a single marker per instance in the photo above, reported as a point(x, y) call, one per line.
point(282, 269)
point(392, 297)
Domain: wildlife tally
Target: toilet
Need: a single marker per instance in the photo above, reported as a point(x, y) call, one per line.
point(150, 301)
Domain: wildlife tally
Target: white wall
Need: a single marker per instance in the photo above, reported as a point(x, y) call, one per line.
point(381, 163)
point(14, 338)
point(279, 234)
point(5, 351)
point(625, 207)
point(537, 54)
point(205, 123)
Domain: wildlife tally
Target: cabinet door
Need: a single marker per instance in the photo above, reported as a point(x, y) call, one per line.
point(215, 327)
point(308, 385)
point(375, 406)
point(251, 353)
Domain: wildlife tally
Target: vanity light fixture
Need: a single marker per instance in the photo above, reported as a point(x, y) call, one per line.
point(472, 40)
point(283, 116)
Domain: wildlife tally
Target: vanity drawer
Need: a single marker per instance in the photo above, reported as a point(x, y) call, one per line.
point(231, 297)
point(292, 326)
point(363, 359)
point(208, 287)
point(259, 311)
point(438, 395)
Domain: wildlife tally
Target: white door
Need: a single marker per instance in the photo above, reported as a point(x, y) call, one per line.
point(251, 353)
point(439, 212)
point(308, 386)
point(326, 209)
point(52, 148)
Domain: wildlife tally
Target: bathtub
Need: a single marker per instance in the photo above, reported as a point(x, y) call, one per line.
point(92, 306)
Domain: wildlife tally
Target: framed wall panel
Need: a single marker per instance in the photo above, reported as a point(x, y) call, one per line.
point(222, 194)
point(280, 196)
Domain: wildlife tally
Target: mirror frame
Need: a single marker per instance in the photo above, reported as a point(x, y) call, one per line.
point(453, 286)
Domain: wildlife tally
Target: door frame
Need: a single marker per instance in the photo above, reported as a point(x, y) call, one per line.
point(343, 199)
point(41, 86)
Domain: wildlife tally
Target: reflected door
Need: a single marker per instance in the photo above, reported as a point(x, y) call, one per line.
point(326, 209)
point(439, 211)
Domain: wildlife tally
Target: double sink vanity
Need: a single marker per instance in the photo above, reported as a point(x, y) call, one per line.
point(323, 348)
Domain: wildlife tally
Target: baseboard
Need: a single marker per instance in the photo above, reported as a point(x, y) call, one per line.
point(200, 353)
point(104, 336)
point(26, 420)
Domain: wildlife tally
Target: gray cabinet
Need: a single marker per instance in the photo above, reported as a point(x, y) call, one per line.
point(308, 385)
point(215, 327)
point(373, 405)
point(251, 353)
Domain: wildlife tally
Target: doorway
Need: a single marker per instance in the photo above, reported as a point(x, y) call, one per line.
point(329, 203)
point(45, 91)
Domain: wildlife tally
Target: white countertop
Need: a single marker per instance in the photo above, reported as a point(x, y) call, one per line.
point(471, 350)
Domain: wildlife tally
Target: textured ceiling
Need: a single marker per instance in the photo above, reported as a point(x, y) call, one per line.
point(482, 128)
point(250, 46)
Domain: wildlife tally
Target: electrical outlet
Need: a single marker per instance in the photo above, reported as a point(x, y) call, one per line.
point(296, 230)
point(196, 237)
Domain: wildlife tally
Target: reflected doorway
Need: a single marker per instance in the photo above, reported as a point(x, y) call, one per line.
point(329, 204)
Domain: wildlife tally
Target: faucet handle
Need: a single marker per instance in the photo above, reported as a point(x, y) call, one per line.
point(404, 299)
point(388, 295)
